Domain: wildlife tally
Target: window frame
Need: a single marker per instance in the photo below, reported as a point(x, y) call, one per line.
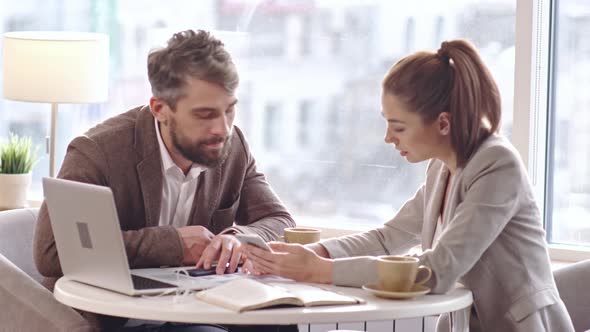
point(533, 81)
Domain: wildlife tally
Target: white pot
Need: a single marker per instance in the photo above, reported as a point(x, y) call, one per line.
point(13, 190)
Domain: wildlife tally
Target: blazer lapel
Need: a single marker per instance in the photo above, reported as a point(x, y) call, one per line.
point(453, 196)
point(150, 180)
point(433, 206)
point(204, 203)
point(149, 167)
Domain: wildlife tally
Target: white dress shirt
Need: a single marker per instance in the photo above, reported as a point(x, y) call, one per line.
point(178, 190)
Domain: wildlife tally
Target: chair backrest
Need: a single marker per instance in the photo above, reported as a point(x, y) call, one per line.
point(16, 239)
point(573, 283)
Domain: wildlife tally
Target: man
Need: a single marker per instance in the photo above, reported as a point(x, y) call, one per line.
point(182, 175)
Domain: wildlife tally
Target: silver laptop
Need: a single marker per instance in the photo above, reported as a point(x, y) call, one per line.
point(90, 243)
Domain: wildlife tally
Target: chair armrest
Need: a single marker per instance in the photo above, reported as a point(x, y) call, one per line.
point(28, 306)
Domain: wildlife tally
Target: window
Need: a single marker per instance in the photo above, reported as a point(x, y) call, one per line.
point(410, 34)
point(314, 63)
point(304, 128)
point(551, 69)
point(568, 152)
point(272, 134)
point(439, 29)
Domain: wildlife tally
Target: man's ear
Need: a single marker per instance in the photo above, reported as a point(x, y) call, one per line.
point(157, 107)
point(444, 123)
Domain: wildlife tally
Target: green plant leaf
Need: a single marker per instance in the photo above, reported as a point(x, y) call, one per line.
point(16, 156)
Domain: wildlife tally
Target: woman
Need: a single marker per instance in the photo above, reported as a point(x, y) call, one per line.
point(475, 215)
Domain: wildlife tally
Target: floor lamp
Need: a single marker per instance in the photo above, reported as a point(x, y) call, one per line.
point(55, 67)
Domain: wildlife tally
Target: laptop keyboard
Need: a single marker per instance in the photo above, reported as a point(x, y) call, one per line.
point(140, 283)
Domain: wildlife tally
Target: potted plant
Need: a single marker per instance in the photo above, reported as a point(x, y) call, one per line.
point(16, 162)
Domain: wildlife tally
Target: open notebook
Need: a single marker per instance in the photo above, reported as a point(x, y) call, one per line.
point(247, 294)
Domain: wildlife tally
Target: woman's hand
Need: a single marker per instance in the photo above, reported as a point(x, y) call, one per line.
point(292, 261)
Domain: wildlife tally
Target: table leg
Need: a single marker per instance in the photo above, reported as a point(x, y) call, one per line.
point(460, 320)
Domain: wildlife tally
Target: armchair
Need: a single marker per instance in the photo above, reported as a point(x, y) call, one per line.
point(26, 304)
point(574, 290)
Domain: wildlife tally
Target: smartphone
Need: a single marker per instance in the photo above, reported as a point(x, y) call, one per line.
point(201, 272)
point(254, 240)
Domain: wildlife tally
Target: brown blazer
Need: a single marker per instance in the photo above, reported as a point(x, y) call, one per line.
point(123, 154)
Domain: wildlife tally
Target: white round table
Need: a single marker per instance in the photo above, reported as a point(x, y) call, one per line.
point(188, 309)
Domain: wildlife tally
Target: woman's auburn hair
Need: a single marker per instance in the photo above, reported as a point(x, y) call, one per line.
point(453, 80)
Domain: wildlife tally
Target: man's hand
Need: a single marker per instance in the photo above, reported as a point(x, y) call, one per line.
point(223, 249)
point(194, 241)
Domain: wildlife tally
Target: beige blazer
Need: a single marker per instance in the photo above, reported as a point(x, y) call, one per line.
point(123, 154)
point(492, 241)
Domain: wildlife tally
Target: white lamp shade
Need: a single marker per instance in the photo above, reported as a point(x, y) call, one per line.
point(56, 67)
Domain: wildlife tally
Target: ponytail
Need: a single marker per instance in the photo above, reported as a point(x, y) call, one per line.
point(475, 100)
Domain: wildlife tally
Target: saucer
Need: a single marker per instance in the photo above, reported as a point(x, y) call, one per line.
point(416, 291)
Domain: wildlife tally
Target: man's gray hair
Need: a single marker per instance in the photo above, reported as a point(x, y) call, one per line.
point(192, 54)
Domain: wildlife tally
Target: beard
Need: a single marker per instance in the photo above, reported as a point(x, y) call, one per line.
point(197, 152)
